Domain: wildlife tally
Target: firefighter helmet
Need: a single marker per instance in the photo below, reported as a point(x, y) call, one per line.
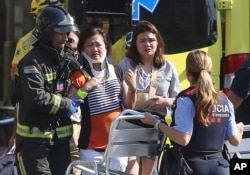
point(53, 18)
point(37, 5)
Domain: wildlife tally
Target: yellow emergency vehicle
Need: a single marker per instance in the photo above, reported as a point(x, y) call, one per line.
point(219, 27)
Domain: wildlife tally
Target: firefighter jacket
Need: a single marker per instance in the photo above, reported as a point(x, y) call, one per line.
point(41, 91)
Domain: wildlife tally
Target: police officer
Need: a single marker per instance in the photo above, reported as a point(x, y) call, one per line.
point(44, 126)
point(203, 120)
point(240, 96)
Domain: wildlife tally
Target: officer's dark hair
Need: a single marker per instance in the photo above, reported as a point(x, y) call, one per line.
point(53, 18)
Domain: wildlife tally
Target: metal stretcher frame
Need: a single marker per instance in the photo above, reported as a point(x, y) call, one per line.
point(126, 139)
point(242, 150)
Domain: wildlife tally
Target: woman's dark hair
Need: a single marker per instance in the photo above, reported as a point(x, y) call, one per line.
point(141, 27)
point(91, 31)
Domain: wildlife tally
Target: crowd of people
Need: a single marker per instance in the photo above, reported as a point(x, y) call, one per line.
point(67, 93)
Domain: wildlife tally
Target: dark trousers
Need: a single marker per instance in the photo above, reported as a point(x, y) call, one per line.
point(40, 158)
point(209, 166)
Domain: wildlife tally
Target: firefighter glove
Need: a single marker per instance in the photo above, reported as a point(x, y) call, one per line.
point(74, 106)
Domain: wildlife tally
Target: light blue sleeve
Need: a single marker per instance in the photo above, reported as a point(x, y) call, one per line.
point(125, 64)
point(232, 127)
point(184, 115)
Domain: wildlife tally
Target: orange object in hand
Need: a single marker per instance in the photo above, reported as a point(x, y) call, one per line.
point(78, 79)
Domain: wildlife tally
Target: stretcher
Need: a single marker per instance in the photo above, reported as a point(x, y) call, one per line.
point(241, 151)
point(126, 138)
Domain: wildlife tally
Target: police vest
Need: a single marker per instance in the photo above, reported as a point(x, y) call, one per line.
point(210, 138)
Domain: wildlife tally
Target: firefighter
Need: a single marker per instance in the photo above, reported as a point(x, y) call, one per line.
point(25, 44)
point(44, 127)
point(239, 95)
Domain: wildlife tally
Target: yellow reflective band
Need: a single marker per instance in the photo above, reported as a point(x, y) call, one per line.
point(21, 164)
point(81, 94)
point(65, 131)
point(62, 132)
point(50, 76)
point(57, 102)
point(35, 132)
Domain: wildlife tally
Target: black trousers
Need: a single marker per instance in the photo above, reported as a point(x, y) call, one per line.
point(33, 158)
point(207, 166)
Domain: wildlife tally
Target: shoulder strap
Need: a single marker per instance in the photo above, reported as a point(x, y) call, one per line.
point(189, 92)
point(111, 71)
point(153, 84)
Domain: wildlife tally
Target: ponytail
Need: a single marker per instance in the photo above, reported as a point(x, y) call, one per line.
point(199, 66)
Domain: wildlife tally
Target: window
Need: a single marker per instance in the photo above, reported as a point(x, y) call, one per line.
point(184, 24)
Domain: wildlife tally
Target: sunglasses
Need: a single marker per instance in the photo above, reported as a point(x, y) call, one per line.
point(128, 39)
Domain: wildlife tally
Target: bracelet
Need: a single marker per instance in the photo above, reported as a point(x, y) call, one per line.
point(81, 94)
point(157, 124)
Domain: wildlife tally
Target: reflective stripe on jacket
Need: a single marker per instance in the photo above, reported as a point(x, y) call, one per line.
point(26, 131)
point(43, 105)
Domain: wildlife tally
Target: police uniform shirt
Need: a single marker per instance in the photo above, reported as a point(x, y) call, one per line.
point(241, 84)
point(185, 112)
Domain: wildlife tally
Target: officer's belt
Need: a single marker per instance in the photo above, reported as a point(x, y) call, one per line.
point(203, 155)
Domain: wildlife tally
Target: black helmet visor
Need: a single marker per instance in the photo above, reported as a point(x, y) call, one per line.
point(66, 29)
